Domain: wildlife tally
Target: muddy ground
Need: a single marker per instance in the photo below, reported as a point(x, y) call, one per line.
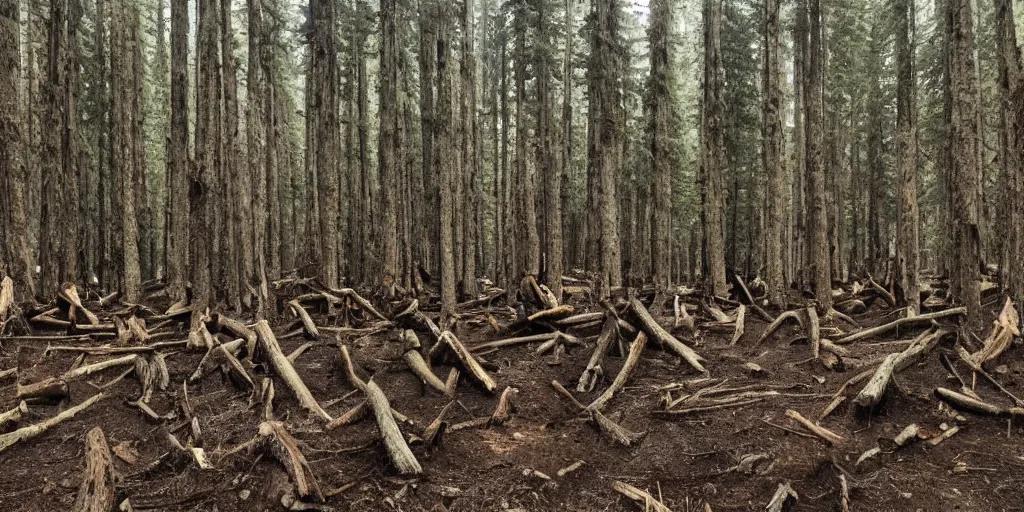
point(686, 460)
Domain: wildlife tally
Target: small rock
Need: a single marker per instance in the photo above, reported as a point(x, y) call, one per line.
point(519, 436)
point(1002, 369)
point(943, 427)
point(244, 494)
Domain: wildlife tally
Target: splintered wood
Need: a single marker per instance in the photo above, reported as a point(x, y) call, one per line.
point(1004, 328)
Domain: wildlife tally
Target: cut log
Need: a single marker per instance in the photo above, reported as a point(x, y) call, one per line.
point(588, 380)
point(307, 322)
point(1004, 328)
point(358, 299)
point(682, 316)
point(275, 439)
point(657, 333)
point(97, 491)
point(635, 349)
point(750, 298)
point(50, 390)
point(468, 362)
point(31, 431)
point(14, 414)
point(779, 320)
point(285, 370)
point(915, 320)
point(640, 496)
point(871, 395)
point(394, 443)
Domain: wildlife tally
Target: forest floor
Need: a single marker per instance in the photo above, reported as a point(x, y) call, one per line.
point(729, 458)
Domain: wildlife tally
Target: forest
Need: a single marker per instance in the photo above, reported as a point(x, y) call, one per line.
point(521, 255)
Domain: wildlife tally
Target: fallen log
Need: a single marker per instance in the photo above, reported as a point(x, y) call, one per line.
point(552, 313)
point(814, 331)
point(285, 370)
point(609, 428)
point(469, 363)
point(50, 390)
point(503, 411)
point(818, 430)
point(238, 330)
point(418, 365)
point(358, 299)
point(750, 298)
point(635, 349)
point(6, 299)
point(395, 445)
point(965, 403)
point(582, 318)
point(215, 357)
point(89, 369)
point(966, 358)
point(97, 491)
point(779, 320)
point(882, 291)
point(894, 363)
point(307, 322)
point(915, 320)
point(593, 371)
point(31, 431)
point(507, 342)
point(658, 333)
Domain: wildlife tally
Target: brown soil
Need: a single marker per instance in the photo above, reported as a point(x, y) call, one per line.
point(488, 468)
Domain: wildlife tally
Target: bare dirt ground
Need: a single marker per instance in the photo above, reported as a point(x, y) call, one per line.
point(692, 461)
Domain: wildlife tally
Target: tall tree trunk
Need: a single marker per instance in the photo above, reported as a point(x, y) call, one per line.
point(525, 215)
point(447, 137)
point(429, 234)
point(965, 170)
point(207, 143)
point(254, 247)
point(713, 150)
point(908, 261)
point(124, 142)
point(1011, 144)
point(234, 176)
point(818, 225)
point(567, 127)
point(798, 258)
point(388, 141)
point(772, 154)
point(58, 227)
point(324, 71)
point(660, 89)
point(469, 152)
point(178, 155)
point(12, 170)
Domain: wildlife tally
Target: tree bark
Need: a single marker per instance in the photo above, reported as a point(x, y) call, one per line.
point(447, 157)
point(124, 142)
point(818, 226)
point(772, 154)
point(713, 150)
point(606, 73)
point(324, 72)
point(1011, 149)
point(12, 164)
point(660, 89)
point(388, 140)
point(908, 261)
point(965, 165)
